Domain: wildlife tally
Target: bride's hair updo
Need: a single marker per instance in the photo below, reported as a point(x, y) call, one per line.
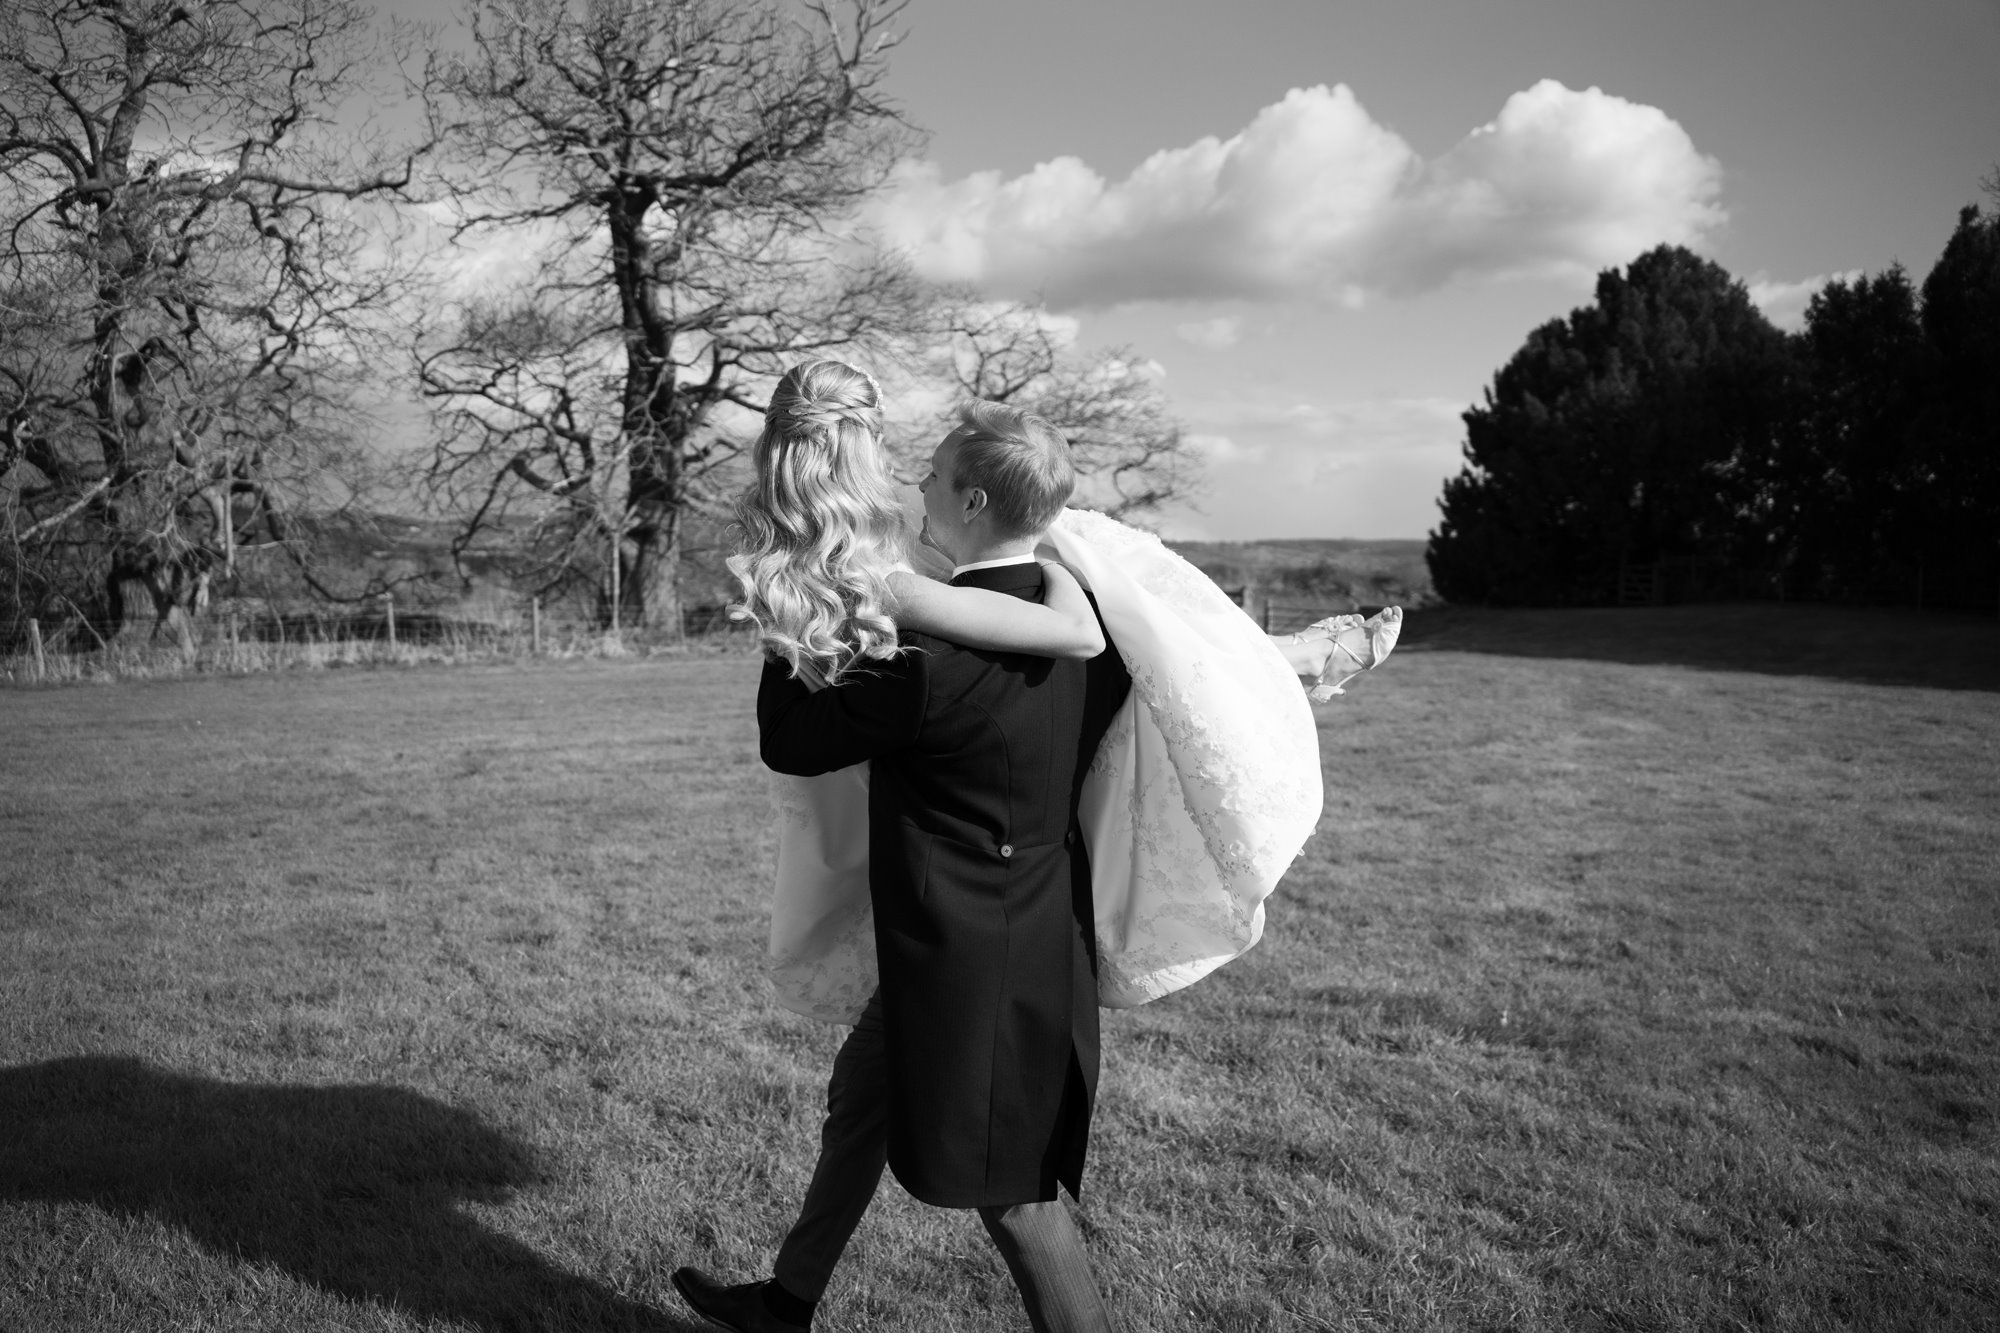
point(821, 527)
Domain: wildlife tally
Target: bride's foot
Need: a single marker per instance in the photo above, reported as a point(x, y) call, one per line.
point(1339, 648)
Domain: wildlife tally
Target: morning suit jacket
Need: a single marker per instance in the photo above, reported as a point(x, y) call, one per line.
point(981, 891)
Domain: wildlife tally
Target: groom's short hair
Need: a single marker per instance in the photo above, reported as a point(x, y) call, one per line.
point(1020, 460)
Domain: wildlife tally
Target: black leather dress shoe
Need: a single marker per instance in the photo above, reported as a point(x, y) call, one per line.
point(740, 1308)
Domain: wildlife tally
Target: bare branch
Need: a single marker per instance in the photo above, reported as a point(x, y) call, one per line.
point(190, 281)
point(35, 530)
point(700, 157)
point(1132, 455)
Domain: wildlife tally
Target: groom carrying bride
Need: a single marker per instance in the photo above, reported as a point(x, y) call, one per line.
point(972, 1070)
point(1049, 827)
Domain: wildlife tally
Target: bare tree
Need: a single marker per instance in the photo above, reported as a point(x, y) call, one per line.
point(186, 282)
point(1132, 454)
point(684, 170)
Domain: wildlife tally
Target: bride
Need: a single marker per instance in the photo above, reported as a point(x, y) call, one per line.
point(1203, 791)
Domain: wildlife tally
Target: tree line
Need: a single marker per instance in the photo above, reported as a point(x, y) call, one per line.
point(1667, 441)
point(213, 259)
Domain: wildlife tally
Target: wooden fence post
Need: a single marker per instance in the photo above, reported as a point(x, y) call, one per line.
point(35, 640)
point(538, 626)
point(390, 599)
point(616, 556)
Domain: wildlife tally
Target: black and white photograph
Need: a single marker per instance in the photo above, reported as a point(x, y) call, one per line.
point(1313, 666)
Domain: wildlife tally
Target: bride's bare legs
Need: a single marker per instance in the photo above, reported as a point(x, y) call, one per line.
point(1306, 659)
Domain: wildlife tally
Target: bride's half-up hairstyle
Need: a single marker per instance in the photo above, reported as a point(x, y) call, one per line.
point(821, 527)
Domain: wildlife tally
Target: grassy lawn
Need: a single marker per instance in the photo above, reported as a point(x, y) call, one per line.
point(1638, 978)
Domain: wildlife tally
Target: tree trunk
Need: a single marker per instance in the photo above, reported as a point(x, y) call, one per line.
point(135, 595)
point(651, 585)
point(656, 429)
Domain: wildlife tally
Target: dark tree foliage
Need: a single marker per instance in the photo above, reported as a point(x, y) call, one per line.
point(1636, 431)
point(1849, 482)
point(1887, 487)
point(1961, 453)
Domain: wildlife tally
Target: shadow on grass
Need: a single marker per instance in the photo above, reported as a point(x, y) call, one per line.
point(355, 1190)
point(1881, 645)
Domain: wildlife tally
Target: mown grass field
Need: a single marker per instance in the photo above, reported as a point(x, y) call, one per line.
point(1636, 979)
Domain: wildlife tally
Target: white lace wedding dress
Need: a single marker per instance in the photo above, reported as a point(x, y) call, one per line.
point(1202, 793)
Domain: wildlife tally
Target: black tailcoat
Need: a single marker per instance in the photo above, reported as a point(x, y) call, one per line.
point(981, 890)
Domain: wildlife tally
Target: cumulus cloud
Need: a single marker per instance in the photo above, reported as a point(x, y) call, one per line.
point(1314, 197)
point(1222, 331)
point(1784, 303)
point(1223, 449)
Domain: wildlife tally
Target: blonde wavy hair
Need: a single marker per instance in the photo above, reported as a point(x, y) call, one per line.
point(820, 529)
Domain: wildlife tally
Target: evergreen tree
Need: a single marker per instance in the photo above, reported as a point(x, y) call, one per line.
point(1638, 430)
point(1888, 484)
point(1849, 486)
point(1960, 455)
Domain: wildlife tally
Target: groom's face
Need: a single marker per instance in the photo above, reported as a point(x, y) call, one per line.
point(945, 516)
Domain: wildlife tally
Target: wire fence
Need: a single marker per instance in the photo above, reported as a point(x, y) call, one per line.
point(1288, 615)
point(236, 644)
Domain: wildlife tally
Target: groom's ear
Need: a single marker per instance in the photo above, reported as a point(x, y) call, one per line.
point(975, 503)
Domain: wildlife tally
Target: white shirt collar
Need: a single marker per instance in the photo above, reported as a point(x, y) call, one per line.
point(1027, 559)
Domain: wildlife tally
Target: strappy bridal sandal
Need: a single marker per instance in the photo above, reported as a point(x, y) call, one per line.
point(1382, 630)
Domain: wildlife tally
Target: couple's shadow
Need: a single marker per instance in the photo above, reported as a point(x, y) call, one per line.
point(355, 1190)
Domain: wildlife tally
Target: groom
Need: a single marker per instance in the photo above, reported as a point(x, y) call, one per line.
point(972, 1070)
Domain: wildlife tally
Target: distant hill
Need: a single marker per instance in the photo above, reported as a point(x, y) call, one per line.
point(1328, 570)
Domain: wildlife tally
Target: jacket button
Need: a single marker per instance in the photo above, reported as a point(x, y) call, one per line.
point(1006, 849)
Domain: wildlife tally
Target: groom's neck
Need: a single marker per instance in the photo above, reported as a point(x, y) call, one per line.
point(1006, 549)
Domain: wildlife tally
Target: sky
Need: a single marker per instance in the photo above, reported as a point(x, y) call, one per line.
point(1330, 222)
point(1327, 223)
